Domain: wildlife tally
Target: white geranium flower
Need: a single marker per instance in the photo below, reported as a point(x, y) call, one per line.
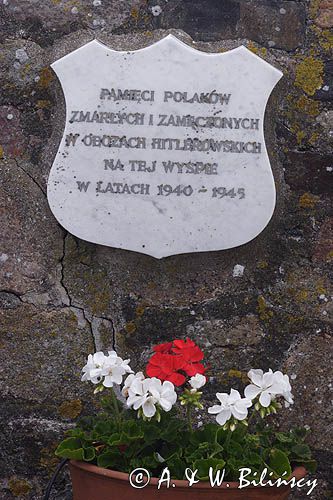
point(106, 369)
point(149, 393)
point(197, 381)
point(231, 405)
point(269, 385)
point(92, 371)
point(285, 387)
point(114, 369)
point(128, 382)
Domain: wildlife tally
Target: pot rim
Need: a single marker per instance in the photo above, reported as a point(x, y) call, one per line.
point(298, 473)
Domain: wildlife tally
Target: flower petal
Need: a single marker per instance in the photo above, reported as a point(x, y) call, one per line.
point(252, 391)
point(256, 376)
point(215, 409)
point(149, 408)
point(223, 416)
point(265, 399)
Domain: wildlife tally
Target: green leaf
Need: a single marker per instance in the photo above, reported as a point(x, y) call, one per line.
point(300, 433)
point(70, 448)
point(108, 459)
point(177, 467)
point(203, 466)
point(301, 451)
point(89, 454)
point(284, 437)
point(171, 431)
point(113, 440)
point(310, 465)
point(235, 449)
point(279, 463)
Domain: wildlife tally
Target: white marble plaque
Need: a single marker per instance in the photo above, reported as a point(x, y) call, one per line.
point(163, 150)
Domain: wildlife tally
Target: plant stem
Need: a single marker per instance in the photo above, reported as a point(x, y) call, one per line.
point(115, 406)
point(253, 414)
point(227, 441)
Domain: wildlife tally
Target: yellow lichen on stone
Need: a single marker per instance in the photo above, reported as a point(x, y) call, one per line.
point(309, 74)
point(46, 76)
point(300, 136)
point(302, 295)
point(43, 103)
point(314, 138)
point(134, 13)
point(19, 487)
point(259, 51)
point(238, 374)
point(307, 200)
point(313, 9)
point(48, 460)
point(263, 264)
point(139, 311)
point(329, 256)
point(320, 289)
point(308, 106)
point(265, 314)
point(1, 152)
point(130, 327)
point(326, 39)
point(70, 409)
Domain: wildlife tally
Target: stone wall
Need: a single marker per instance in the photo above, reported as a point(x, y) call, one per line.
point(61, 298)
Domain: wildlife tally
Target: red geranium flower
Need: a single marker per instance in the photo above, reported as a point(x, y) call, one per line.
point(165, 348)
point(175, 361)
point(166, 367)
point(188, 349)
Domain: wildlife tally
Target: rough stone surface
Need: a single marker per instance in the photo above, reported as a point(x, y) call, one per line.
point(311, 171)
point(269, 23)
point(61, 298)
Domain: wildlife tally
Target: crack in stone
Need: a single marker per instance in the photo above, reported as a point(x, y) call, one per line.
point(70, 301)
point(12, 292)
point(89, 318)
point(30, 176)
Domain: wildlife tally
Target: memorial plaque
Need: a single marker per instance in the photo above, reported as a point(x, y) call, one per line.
point(163, 150)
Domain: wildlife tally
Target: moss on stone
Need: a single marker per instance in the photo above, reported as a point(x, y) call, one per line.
point(1, 152)
point(19, 487)
point(70, 409)
point(309, 74)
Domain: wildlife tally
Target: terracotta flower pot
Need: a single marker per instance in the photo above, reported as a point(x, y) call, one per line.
point(95, 483)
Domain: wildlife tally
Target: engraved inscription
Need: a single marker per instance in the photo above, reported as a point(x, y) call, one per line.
point(163, 150)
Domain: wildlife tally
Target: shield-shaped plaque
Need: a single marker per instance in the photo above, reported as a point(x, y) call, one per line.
point(163, 150)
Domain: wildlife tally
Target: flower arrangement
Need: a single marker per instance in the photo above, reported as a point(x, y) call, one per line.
point(144, 428)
